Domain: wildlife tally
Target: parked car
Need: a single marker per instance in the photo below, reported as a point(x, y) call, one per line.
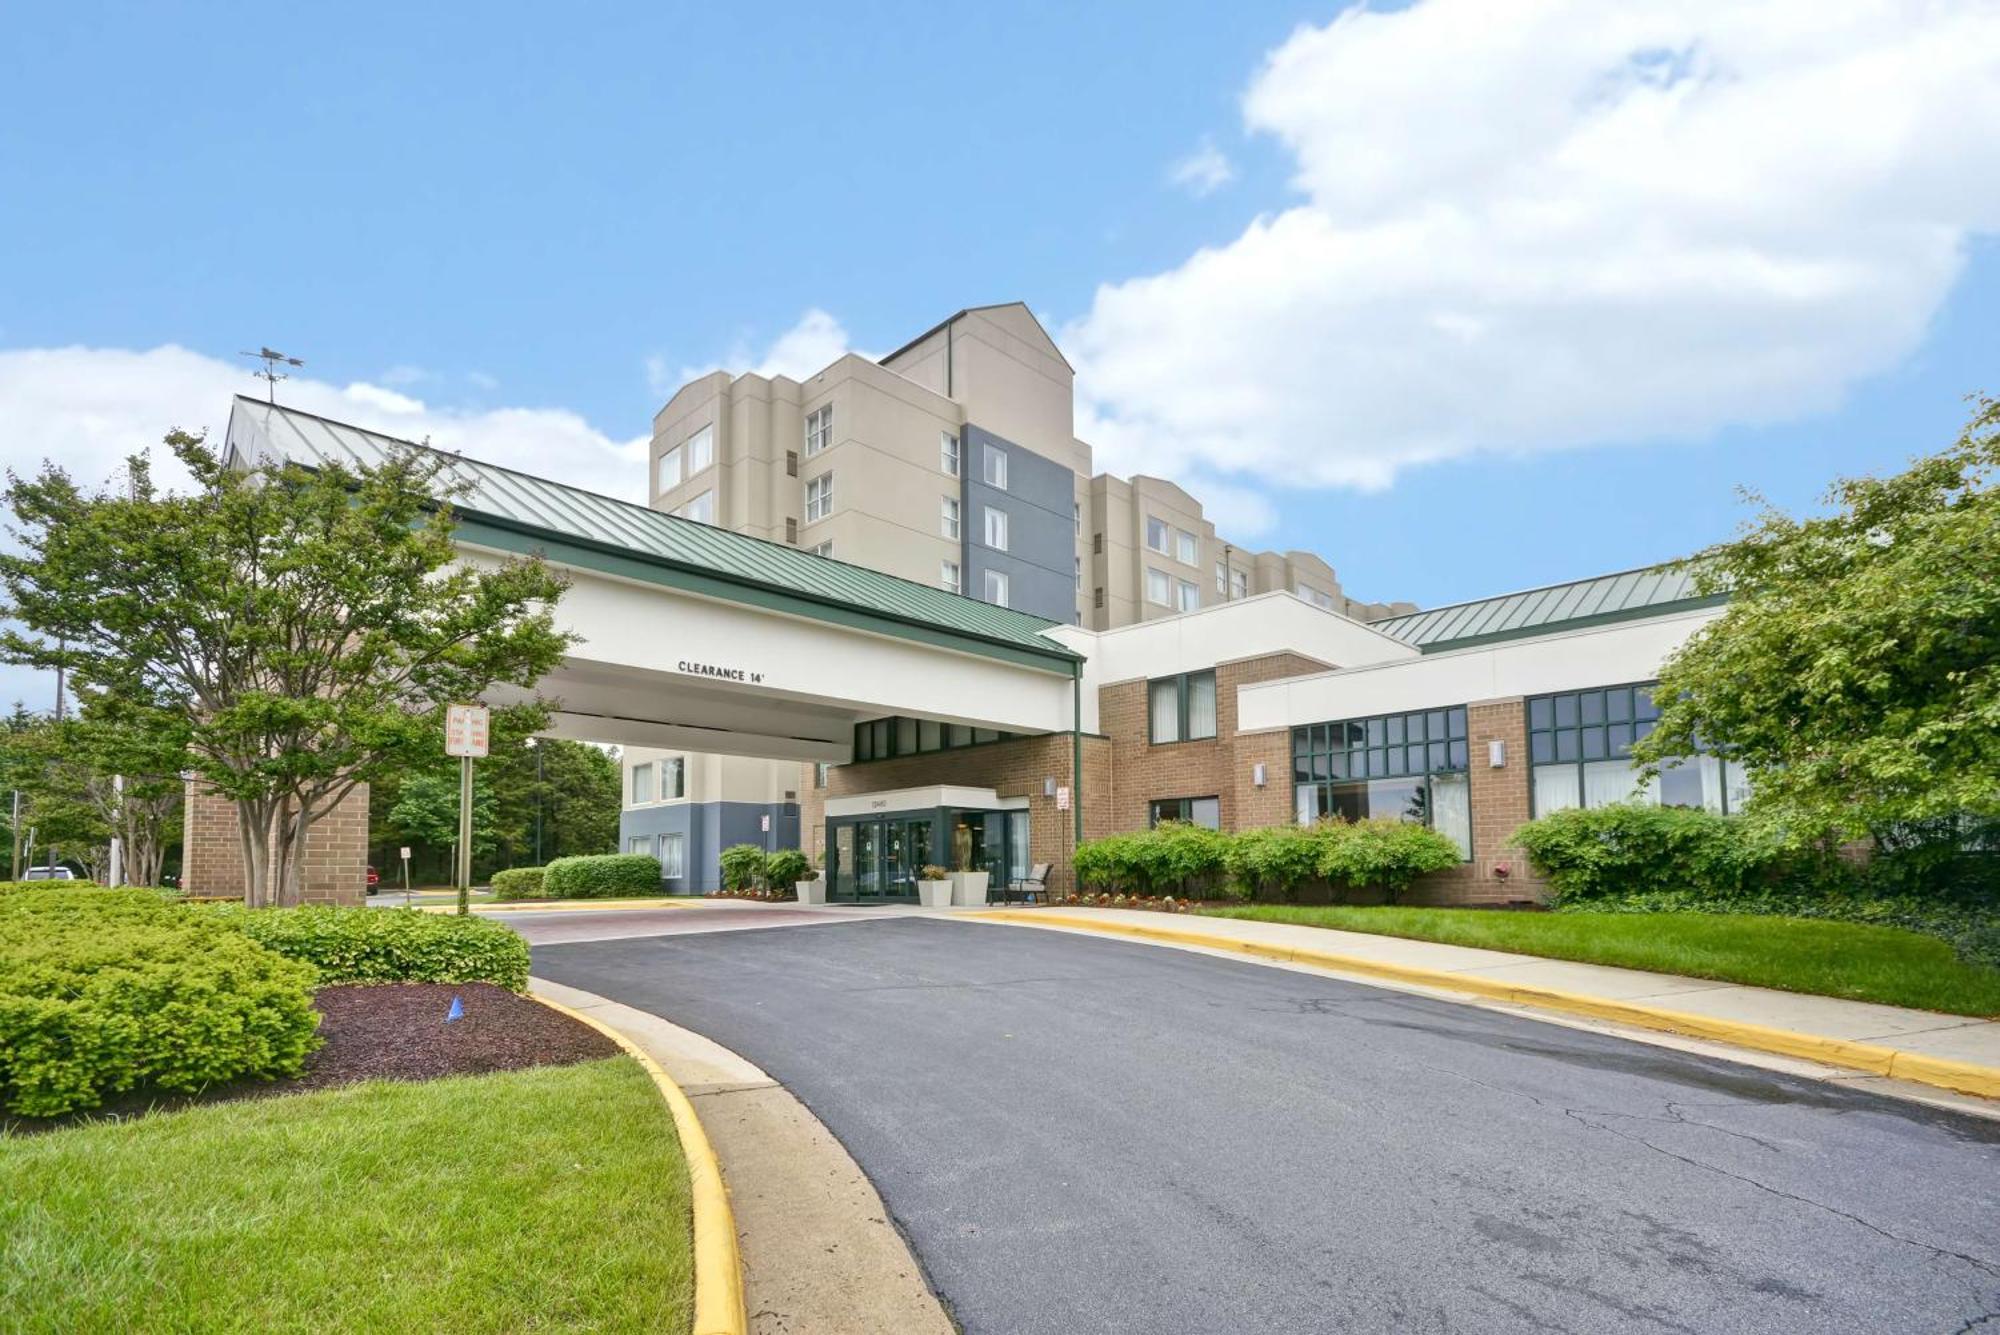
point(48, 874)
point(374, 880)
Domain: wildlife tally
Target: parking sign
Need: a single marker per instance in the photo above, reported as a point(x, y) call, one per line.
point(465, 730)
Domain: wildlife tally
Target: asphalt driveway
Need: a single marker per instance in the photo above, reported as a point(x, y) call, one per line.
point(1084, 1135)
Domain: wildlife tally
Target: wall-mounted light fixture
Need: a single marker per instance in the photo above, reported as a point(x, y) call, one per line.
point(1496, 754)
point(1257, 774)
point(1048, 787)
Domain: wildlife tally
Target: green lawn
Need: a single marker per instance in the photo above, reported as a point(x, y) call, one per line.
point(554, 1198)
point(1834, 959)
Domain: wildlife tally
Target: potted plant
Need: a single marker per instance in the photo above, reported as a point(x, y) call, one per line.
point(968, 887)
point(812, 891)
point(786, 869)
point(934, 889)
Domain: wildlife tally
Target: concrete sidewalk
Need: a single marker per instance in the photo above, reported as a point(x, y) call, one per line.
point(1842, 1028)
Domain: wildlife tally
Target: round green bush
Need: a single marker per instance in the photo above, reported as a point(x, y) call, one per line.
point(602, 876)
point(104, 992)
point(786, 868)
point(744, 867)
point(364, 945)
point(1386, 855)
point(1628, 848)
point(520, 883)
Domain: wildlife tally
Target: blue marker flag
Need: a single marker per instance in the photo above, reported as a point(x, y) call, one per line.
point(457, 1011)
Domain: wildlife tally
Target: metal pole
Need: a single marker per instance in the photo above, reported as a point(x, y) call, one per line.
point(117, 843)
point(1076, 749)
point(541, 796)
point(14, 828)
point(464, 835)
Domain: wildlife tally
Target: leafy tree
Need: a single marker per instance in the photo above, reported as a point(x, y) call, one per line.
point(57, 810)
point(1856, 669)
point(427, 810)
point(305, 627)
point(571, 788)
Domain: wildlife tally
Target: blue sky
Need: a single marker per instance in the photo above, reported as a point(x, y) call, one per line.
point(514, 206)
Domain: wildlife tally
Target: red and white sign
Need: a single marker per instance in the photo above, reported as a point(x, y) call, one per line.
point(1062, 798)
point(465, 730)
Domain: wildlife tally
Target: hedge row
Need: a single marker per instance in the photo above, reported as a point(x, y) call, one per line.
point(602, 876)
point(364, 945)
point(748, 867)
point(520, 883)
point(104, 992)
point(1180, 859)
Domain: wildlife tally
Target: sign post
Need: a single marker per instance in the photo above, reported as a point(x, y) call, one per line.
point(465, 729)
point(406, 875)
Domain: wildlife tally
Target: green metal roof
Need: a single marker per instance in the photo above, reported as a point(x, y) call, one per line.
point(559, 514)
point(1625, 596)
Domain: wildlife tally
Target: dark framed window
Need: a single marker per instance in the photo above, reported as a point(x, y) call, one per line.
point(1181, 709)
point(900, 735)
point(1203, 811)
point(1410, 766)
point(1580, 755)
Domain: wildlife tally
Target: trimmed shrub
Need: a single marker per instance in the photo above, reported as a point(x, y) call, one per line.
point(363, 945)
point(786, 868)
point(744, 867)
point(1276, 860)
point(1386, 855)
point(1589, 855)
point(602, 876)
point(519, 883)
point(103, 992)
point(1171, 856)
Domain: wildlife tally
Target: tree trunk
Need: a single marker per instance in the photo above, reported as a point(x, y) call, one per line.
point(253, 828)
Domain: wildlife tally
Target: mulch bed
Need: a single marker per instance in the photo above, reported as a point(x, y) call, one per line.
point(392, 1031)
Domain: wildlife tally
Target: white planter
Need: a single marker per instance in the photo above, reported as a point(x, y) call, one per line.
point(811, 892)
point(968, 888)
point(934, 894)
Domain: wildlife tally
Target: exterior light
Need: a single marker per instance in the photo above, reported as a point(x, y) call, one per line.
point(1496, 754)
point(1257, 774)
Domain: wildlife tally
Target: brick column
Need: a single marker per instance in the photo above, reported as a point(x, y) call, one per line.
point(1500, 805)
point(336, 849)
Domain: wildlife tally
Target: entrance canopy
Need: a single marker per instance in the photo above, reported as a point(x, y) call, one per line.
point(692, 637)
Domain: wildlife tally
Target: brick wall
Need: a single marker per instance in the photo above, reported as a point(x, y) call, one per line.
point(336, 849)
point(1500, 804)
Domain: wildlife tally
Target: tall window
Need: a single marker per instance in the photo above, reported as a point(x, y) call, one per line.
point(996, 588)
point(824, 548)
point(673, 856)
point(1188, 594)
point(1187, 547)
point(700, 508)
point(996, 528)
point(948, 517)
point(1156, 535)
point(1580, 749)
point(819, 429)
point(670, 471)
point(1408, 767)
point(1203, 811)
point(1182, 708)
point(819, 497)
point(820, 769)
point(948, 576)
point(673, 778)
point(1159, 589)
point(995, 467)
point(1221, 578)
point(642, 784)
point(1079, 574)
point(1239, 584)
point(1076, 515)
point(700, 449)
point(882, 738)
point(948, 453)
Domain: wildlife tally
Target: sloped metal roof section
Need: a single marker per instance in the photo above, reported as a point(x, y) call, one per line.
point(1625, 596)
point(570, 517)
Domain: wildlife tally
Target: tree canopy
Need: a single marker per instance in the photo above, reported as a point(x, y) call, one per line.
point(1856, 668)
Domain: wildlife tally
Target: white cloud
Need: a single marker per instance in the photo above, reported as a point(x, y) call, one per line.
point(1203, 171)
point(88, 408)
point(808, 347)
point(1557, 223)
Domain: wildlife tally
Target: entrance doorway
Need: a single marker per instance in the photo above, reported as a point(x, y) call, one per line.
point(878, 860)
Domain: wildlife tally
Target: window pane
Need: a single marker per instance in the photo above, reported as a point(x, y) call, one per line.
point(1187, 548)
point(1455, 721)
point(1438, 756)
point(1593, 744)
point(1205, 812)
point(1349, 801)
point(1609, 781)
point(1642, 703)
point(1458, 755)
point(1378, 731)
point(1679, 784)
point(1541, 747)
point(1157, 588)
point(1451, 810)
point(1305, 803)
point(1566, 745)
point(1541, 713)
point(1156, 534)
point(1190, 595)
point(1413, 728)
point(906, 736)
point(1399, 799)
point(957, 734)
point(1301, 741)
point(930, 735)
point(1736, 785)
point(1555, 788)
point(1591, 704)
point(981, 735)
point(1620, 736)
point(1618, 704)
point(1166, 709)
point(1336, 765)
point(1201, 704)
point(1565, 711)
point(996, 588)
point(1394, 728)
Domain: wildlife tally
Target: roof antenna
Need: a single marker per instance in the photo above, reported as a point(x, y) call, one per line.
point(271, 375)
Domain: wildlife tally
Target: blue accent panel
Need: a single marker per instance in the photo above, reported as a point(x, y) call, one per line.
point(707, 828)
point(1040, 502)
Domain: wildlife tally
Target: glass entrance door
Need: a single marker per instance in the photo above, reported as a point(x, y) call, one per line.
point(868, 869)
point(875, 860)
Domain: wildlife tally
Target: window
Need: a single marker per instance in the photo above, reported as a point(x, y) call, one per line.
point(948, 453)
point(1159, 589)
point(642, 785)
point(673, 778)
point(1408, 767)
point(883, 738)
point(1580, 748)
point(996, 528)
point(1156, 535)
point(819, 429)
point(1076, 513)
point(639, 843)
point(819, 497)
point(1203, 811)
point(948, 517)
point(1239, 584)
point(1181, 709)
point(820, 769)
point(994, 467)
point(1187, 547)
point(673, 856)
point(996, 588)
point(700, 449)
point(1079, 574)
point(948, 576)
point(824, 549)
point(1315, 597)
point(1221, 578)
point(1190, 594)
point(670, 471)
point(700, 508)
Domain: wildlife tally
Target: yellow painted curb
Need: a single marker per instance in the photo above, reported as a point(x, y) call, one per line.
point(1964, 1077)
point(718, 1267)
